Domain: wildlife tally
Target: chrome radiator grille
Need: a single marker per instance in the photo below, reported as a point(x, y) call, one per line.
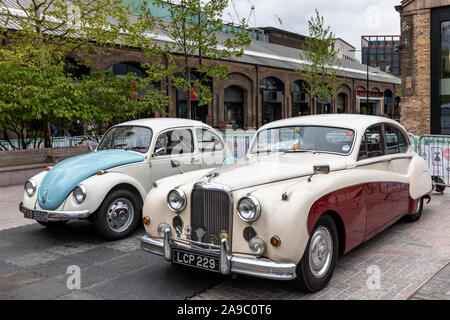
point(210, 215)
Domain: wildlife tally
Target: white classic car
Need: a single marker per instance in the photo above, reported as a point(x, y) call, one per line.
point(310, 188)
point(108, 186)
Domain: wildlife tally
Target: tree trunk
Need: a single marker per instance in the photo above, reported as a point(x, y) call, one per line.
point(47, 135)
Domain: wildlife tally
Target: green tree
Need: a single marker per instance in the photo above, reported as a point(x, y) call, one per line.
point(191, 45)
point(46, 33)
point(321, 65)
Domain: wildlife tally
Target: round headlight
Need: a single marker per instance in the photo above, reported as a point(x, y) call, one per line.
point(249, 209)
point(79, 193)
point(30, 187)
point(176, 199)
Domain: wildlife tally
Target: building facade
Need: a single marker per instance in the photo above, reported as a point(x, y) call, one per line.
point(425, 65)
point(381, 52)
point(344, 50)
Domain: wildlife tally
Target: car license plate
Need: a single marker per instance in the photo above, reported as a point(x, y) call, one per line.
point(195, 259)
point(36, 215)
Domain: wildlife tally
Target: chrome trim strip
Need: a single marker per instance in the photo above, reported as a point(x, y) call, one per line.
point(257, 267)
point(59, 215)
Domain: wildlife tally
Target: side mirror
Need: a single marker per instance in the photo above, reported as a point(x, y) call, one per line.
point(160, 152)
point(322, 169)
point(175, 163)
point(319, 169)
point(374, 138)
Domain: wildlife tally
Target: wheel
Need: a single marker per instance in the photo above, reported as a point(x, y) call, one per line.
point(118, 215)
point(317, 265)
point(53, 224)
point(439, 184)
point(416, 216)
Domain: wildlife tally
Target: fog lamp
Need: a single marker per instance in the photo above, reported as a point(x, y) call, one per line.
point(163, 226)
point(257, 245)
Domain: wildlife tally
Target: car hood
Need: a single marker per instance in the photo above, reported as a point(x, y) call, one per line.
point(264, 169)
point(59, 182)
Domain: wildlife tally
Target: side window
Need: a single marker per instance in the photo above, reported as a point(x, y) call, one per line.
point(178, 141)
point(208, 141)
point(392, 141)
point(402, 142)
point(372, 143)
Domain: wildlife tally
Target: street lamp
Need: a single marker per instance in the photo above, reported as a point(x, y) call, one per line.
point(367, 63)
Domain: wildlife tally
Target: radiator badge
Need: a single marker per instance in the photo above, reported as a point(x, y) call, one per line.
point(212, 239)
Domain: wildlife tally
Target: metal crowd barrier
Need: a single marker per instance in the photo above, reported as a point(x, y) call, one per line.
point(435, 149)
point(238, 142)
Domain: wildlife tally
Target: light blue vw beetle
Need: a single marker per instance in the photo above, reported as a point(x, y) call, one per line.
point(108, 186)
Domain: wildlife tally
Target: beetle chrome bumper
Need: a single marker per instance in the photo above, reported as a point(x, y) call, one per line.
point(56, 215)
point(256, 267)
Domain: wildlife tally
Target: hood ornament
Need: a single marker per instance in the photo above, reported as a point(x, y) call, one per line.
point(200, 234)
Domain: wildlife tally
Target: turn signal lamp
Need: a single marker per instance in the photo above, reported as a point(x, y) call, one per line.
point(48, 168)
point(146, 220)
point(275, 241)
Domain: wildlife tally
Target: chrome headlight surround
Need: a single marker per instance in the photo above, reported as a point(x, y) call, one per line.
point(176, 200)
point(30, 187)
point(79, 193)
point(249, 208)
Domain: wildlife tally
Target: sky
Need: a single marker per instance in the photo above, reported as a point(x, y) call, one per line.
point(348, 19)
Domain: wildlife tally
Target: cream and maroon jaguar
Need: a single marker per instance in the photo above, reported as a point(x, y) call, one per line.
point(310, 189)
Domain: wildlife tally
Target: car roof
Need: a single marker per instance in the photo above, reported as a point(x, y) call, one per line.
point(351, 121)
point(159, 124)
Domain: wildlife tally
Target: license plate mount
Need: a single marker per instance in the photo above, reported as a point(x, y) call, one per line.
point(35, 215)
point(197, 260)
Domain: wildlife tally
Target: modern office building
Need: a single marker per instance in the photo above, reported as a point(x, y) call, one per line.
point(382, 52)
point(344, 50)
point(425, 65)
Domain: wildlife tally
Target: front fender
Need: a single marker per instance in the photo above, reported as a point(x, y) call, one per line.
point(98, 187)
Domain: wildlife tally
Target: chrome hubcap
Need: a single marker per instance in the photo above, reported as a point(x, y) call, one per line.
point(120, 215)
point(320, 252)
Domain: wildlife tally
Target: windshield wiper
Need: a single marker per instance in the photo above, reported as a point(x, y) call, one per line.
point(120, 145)
point(136, 148)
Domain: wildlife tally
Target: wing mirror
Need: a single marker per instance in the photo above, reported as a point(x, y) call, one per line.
point(374, 138)
point(160, 152)
point(320, 169)
point(176, 164)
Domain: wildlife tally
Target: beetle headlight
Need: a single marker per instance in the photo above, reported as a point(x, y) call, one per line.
point(176, 199)
point(79, 193)
point(30, 187)
point(249, 209)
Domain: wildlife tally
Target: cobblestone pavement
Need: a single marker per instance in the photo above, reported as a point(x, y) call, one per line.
point(412, 258)
point(408, 255)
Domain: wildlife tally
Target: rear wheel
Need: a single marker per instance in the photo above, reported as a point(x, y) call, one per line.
point(416, 216)
point(317, 265)
point(53, 224)
point(118, 215)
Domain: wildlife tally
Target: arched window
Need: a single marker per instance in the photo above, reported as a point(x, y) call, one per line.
point(300, 99)
point(234, 106)
point(122, 69)
point(341, 103)
point(388, 104)
point(272, 97)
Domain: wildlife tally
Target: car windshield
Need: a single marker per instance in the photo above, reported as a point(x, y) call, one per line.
point(304, 138)
point(127, 138)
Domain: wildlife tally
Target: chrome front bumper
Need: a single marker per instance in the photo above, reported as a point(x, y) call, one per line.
point(256, 267)
point(57, 215)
